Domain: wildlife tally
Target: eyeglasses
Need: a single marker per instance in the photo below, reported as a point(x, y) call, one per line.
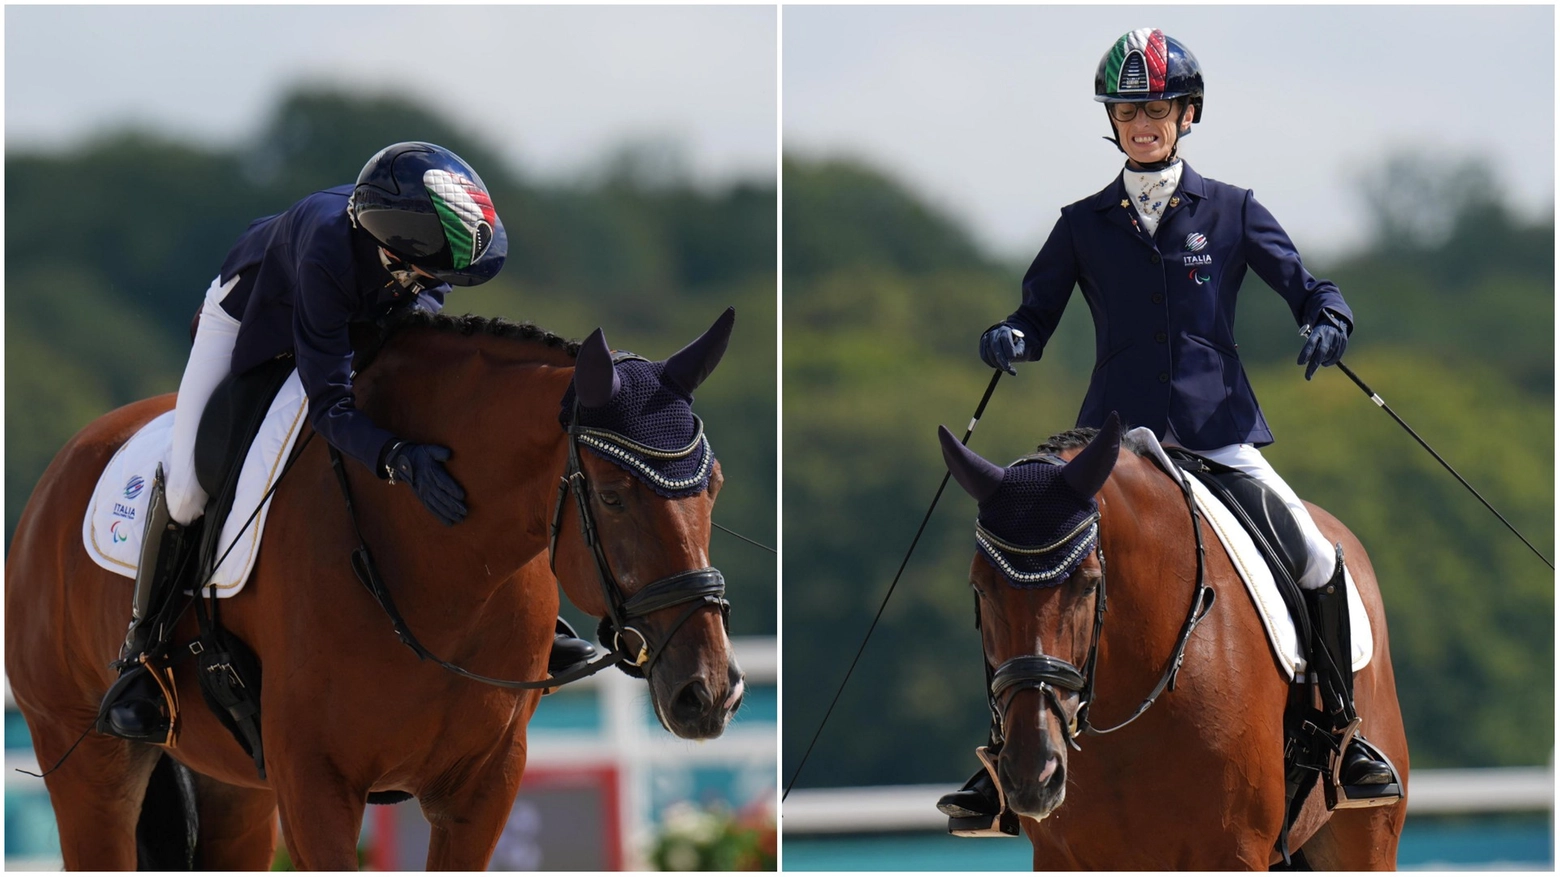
point(1156, 109)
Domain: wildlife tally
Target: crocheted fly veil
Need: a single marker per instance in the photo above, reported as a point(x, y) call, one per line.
point(638, 414)
point(1038, 518)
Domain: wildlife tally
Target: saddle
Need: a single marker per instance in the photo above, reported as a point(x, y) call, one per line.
point(1264, 516)
point(228, 671)
point(1279, 539)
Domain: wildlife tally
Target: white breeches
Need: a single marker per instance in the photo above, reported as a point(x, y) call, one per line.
point(1321, 558)
point(211, 359)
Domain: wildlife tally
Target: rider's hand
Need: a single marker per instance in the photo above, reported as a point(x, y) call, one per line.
point(1325, 345)
point(1000, 345)
point(422, 467)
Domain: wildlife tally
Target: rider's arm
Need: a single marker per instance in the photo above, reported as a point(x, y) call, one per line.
point(1271, 254)
point(1047, 286)
point(322, 308)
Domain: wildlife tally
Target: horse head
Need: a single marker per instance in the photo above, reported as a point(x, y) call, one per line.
point(639, 556)
point(1036, 576)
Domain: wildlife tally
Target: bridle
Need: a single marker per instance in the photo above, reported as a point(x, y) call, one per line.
point(698, 587)
point(1046, 673)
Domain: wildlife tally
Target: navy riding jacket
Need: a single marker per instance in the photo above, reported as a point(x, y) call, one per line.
point(304, 275)
point(1164, 306)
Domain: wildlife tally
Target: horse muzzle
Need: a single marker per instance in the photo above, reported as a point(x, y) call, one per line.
point(698, 707)
point(1033, 781)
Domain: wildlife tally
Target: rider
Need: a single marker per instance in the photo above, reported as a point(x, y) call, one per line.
point(1160, 254)
point(417, 221)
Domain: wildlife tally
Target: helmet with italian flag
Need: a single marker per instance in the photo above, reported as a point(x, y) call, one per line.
point(1146, 65)
point(428, 207)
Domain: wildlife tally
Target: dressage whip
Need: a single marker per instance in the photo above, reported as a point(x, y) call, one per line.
point(1384, 407)
point(742, 537)
point(979, 410)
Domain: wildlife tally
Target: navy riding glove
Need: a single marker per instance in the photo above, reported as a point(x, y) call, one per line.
point(1000, 345)
point(1324, 345)
point(422, 467)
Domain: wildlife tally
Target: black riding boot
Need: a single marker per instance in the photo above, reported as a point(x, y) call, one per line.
point(568, 650)
point(1362, 771)
point(135, 707)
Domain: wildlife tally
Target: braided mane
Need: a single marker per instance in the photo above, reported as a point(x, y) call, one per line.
point(1077, 438)
point(472, 324)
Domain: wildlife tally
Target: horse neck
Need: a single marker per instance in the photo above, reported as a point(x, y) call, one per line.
point(1151, 574)
point(494, 402)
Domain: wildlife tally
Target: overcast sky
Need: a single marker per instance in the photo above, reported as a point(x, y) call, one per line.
point(553, 88)
point(989, 111)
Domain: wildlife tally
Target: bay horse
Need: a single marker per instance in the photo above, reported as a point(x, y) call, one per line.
point(1194, 781)
point(347, 712)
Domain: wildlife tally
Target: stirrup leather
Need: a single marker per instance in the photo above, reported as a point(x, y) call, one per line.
point(1342, 797)
point(1004, 824)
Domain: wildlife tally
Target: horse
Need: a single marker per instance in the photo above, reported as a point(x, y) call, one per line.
point(348, 714)
point(1195, 781)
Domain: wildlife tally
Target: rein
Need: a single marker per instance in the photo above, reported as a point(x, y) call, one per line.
point(1046, 673)
point(698, 586)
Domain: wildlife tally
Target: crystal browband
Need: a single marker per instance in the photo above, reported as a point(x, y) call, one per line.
point(995, 548)
point(631, 453)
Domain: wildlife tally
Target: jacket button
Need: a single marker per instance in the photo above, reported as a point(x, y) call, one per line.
point(1160, 337)
point(1164, 377)
point(1158, 298)
point(1154, 258)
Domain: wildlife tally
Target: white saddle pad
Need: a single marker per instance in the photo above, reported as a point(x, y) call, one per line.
point(1254, 572)
point(114, 525)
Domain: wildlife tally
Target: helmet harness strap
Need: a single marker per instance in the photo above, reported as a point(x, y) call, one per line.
point(401, 271)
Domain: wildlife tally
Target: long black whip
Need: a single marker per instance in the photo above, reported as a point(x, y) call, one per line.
point(1384, 407)
point(979, 410)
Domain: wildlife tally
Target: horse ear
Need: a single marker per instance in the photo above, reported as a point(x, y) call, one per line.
point(687, 368)
point(1086, 473)
point(978, 476)
point(596, 379)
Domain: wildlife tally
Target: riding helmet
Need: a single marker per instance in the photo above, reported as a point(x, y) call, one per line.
point(1146, 65)
point(428, 207)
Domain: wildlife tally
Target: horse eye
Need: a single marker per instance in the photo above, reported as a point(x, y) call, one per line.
point(610, 498)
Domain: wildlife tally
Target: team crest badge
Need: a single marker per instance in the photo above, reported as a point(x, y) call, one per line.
point(1195, 241)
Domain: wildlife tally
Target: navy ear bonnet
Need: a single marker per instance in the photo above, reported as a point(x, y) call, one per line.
point(1036, 528)
point(647, 427)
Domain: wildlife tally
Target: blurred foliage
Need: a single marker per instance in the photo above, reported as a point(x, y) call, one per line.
point(111, 245)
point(883, 306)
point(694, 839)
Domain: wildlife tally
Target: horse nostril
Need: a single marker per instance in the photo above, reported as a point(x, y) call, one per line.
point(692, 701)
point(1048, 770)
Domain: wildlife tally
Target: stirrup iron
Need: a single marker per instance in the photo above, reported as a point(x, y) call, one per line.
point(1342, 797)
point(1004, 824)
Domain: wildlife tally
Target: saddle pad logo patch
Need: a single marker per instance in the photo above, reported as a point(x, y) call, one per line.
point(134, 486)
point(1195, 241)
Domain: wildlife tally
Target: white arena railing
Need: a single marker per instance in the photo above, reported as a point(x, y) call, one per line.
point(872, 809)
